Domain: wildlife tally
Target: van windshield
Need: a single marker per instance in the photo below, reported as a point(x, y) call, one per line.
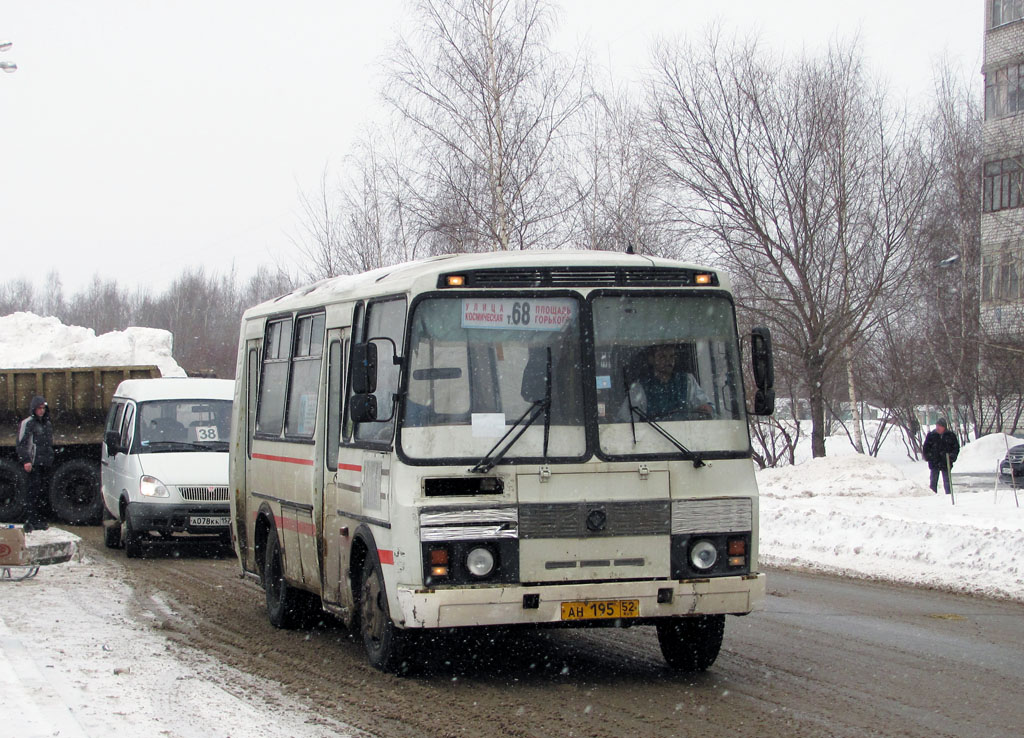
point(184, 425)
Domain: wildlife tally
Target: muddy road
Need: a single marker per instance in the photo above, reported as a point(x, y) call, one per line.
point(827, 657)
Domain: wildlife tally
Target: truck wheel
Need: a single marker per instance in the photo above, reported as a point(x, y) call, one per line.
point(287, 607)
point(75, 492)
point(691, 643)
point(12, 492)
point(131, 538)
point(386, 646)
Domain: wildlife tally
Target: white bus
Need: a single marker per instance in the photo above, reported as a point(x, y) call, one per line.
point(535, 438)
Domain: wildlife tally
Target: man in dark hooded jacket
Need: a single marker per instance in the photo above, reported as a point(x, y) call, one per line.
point(35, 452)
point(940, 451)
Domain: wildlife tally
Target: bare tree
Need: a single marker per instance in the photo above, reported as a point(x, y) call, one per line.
point(616, 181)
point(487, 103)
point(809, 187)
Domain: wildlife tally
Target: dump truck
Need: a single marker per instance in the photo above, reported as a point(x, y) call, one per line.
point(78, 398)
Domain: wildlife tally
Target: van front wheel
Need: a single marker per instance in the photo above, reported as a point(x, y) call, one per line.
point(691, 643)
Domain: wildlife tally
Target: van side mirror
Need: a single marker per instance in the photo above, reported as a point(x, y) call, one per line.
point(763, 364)
point(112, 439)
point(362, 408)
point(364, 368)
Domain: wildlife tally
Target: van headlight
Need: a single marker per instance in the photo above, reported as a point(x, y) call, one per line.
point(152, 487)
point(480, 562)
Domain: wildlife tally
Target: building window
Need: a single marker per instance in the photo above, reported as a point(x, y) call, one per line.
point(1002, 273)
point(1004, 91)
point(1006, 11)
point(1002, 185)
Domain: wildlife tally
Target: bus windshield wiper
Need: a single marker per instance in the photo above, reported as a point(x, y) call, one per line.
point(537, 407)
point(698, 462)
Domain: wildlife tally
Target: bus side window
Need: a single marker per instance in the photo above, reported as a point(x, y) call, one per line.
point(335, 365)
point(252, 373)
point(348, 426)
point(384, 319)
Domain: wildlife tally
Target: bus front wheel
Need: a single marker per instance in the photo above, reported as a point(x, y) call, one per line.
point(386, 645)
point(691, 643)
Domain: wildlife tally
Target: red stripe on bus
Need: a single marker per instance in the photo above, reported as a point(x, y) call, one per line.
point(307, 529)
point(284, 459)
point(350, 467)
point(385, 556)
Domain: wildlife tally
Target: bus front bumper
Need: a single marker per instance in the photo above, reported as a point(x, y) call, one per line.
point(518, 604)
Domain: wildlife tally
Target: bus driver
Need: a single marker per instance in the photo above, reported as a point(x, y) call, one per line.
point(666, 391)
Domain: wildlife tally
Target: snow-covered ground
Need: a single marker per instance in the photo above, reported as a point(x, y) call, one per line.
point(28, 341)
point(74, 663)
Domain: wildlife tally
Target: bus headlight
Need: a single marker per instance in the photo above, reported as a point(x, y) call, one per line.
point(152, 487)
point(480, 562)
point(703, 555)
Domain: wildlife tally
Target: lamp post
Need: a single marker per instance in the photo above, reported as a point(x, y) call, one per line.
point(7, 66)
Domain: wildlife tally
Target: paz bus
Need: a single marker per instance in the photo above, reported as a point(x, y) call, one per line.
point(482, 440)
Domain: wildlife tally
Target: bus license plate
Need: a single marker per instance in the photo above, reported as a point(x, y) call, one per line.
point(600, 609)
point(207, 520)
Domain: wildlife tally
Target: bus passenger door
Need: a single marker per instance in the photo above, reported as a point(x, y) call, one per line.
point(337, 499)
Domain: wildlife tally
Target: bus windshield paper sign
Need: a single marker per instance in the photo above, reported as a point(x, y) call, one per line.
point(525, 314)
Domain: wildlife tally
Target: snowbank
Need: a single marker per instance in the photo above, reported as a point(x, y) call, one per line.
point(854, 514)
point(28, 341)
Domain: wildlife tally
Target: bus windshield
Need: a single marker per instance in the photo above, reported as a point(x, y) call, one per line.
point(477, 366)
point(667, 375)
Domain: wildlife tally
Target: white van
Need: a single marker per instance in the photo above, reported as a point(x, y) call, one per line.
point(165, 461)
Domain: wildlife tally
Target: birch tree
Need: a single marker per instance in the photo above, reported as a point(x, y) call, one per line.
point(808, 186)
point(486, 102)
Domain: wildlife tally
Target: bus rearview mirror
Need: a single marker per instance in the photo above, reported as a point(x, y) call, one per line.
point(364, 368)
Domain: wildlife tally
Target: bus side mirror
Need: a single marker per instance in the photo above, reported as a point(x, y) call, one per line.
point(362, 408)
point(364, 368)
point(112, 439)
point(764, 370)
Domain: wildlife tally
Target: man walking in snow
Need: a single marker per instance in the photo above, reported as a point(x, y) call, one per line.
point(35, 452)
point(940, 451)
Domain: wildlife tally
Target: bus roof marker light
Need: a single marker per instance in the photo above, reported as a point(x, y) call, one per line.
point(702, 278)
point(455, 280)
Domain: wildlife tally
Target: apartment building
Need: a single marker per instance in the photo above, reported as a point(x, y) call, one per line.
point(1002, 220)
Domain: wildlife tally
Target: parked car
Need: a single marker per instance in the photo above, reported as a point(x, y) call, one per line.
point(1011, 469)
point(164, 462)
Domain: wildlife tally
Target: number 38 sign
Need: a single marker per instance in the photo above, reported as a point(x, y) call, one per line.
point(542, 314)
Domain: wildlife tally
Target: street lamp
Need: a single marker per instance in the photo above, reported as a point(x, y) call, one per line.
point(6, 65)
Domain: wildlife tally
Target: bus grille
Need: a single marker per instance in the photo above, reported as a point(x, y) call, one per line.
point(582, 277)
point(204, 494)
point(721, 515)
point(587, 519)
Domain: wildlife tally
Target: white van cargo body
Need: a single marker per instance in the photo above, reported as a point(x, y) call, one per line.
point(165, 461)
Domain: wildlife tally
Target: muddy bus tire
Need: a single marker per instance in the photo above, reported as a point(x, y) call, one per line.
point(12, 492)
point(691, 643)
point(75, 492)
point(131, 539)
point(287, 606)
point(386, 646)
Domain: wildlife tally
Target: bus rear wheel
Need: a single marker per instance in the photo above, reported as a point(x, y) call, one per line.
point(386, 646)
point(691, 643)
point(287, 607)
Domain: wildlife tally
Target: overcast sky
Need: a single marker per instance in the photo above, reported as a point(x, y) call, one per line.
point(140, 136)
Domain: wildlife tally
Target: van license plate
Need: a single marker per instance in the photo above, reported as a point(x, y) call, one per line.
point(208, 520)
point(600, 609)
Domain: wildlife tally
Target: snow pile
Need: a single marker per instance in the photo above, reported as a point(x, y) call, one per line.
point(983, 456)
point(28, 341)
point(842, 476)
point(853, 514)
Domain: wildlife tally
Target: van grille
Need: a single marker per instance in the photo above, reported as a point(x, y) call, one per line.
point(204, 494)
